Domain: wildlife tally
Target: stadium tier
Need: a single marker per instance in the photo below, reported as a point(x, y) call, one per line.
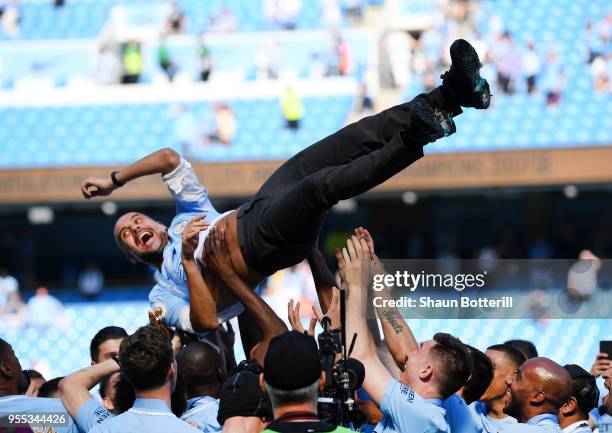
point(116, 134)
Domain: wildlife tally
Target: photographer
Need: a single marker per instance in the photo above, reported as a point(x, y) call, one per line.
point(292, 378)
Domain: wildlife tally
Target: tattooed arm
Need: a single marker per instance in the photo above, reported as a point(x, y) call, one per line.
point(398, 336)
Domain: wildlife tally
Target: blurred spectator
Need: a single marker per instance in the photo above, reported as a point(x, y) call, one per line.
point(165, 61)
point(225, 125)
point(8, 285)
point(353, 10)
point(283, 13)
point(108, 67)
point(267, 60)
point(44, 310)
point(91, 281)
point(10, 17)
point(601, 71)
point(553, 79)
point(224, 21)
point(316, 66)
point(204, 59)
point(531, 67)
point(14, 313)
point(331, 15)
point(132, 62)
point(366, 106)
point(293, 110)
point(509, 67)
point(186, 131)
point(175, 21)
point(340, 61)
point(582, 277)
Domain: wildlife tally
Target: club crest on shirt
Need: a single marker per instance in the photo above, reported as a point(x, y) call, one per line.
point(178, 229)
point(408, 392)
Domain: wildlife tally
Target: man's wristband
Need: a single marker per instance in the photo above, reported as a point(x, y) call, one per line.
point(116, 181)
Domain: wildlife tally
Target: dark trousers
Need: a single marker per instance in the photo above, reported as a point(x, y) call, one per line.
point(279, 226)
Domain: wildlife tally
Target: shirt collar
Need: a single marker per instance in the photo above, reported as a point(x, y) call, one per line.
point(196, 401)
point(540, 419)
point(574, 427)
point(435, 401)
point(151, 404)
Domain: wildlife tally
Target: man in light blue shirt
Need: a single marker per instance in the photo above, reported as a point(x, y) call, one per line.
point(535, 394)
point(458, 414)
point(13, 383)
point(489, 409)
point(431, 371)
point(199, 370)
point(603, 415)
point(148, 364)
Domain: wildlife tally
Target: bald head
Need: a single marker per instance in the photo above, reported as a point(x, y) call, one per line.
point(199, 369)
point(540, 386)
point(12, 379)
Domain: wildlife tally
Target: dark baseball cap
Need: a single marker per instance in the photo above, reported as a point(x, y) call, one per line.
point(584, 388)
point(292, 361)
point(242, 396)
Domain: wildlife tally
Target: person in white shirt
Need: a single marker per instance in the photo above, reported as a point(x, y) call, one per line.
point(44, 310)
point(574, 414)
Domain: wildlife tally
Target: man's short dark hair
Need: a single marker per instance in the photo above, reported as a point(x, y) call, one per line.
point(515, 356)
point(124, 396)
point(50, 387)
point(145, 357)
point(454, 363)
point(527, 348)
point(198, 365)
point(481, 377)
point(103, 335)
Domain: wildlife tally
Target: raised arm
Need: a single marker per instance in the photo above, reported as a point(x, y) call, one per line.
point(398, 335)
point(353, 263)
point(74, 388)
point(159, 162)
point(218, 260)
point(202, 305)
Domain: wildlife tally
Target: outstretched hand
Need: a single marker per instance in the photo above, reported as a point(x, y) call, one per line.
point(354, 263)
point(293, 313)
point(174, 337)
point(191, 235)
point(95, 186)
point(333, 312)
point(217, 256)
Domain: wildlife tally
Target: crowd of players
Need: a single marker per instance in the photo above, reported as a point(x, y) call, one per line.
point(160, 380)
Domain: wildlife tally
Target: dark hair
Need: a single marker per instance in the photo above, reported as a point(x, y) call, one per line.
point(145, 358)
point(515, 356)
point(198, 366)
point(453, 361)
point(34, 374)
point(584, 388)
point(527, 348)
point(50, 387)
point(103, 335)
point(481, 377)
point(124, 395)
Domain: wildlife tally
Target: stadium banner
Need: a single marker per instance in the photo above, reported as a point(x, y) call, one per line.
point(488, 288)
point(434, 172)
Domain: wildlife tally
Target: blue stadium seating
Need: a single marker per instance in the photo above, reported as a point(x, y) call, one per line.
point(564, 340)
point(113, 134)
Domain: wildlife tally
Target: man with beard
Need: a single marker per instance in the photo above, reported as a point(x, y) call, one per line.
point(489, 409)
point(280, 225)
point(13, 383)
point(534, 396)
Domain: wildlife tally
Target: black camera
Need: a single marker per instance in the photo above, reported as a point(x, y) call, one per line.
point(336, 404)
